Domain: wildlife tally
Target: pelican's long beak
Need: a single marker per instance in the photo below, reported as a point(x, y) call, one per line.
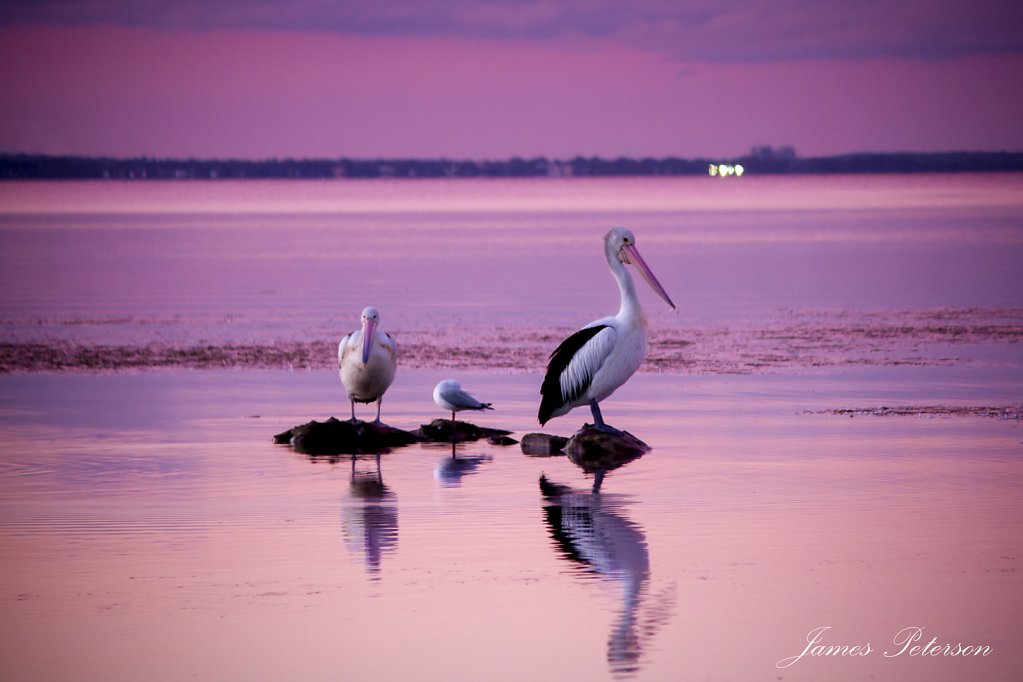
point(369, 327)
point(631, 256)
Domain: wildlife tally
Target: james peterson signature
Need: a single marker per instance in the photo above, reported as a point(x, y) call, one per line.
point(906, 643)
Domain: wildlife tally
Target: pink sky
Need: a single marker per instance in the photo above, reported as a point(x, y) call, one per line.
point(125, 88)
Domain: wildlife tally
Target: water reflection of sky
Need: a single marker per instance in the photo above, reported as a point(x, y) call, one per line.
point(212, 261)
point(747, 521)
point(141, 509)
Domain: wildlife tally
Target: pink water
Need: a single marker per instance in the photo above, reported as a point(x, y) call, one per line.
point(150, 530)
point(482, 262)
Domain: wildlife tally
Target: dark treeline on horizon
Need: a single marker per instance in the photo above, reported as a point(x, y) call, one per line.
point(762, 161)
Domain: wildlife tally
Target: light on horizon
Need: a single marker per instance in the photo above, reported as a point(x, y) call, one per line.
point(724, 170)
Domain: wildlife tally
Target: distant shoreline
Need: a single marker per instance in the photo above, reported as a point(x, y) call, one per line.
point(762, 162)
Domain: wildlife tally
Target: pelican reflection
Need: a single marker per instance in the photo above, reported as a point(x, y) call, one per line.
point(369, 520)
point(590, 532)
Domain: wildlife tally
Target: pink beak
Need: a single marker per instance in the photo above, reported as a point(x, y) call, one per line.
point(632, 256)
point(369, 327)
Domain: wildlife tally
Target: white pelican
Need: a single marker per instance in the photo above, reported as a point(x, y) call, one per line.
point(592, 363)
point(366, 361)
point(449, 396)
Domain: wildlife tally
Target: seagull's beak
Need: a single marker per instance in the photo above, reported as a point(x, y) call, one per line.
point(369, 327)
point(631, 256)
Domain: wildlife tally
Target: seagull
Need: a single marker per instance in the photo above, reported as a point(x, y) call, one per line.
point(366, 361)
point(449, 396)
point(592, 363)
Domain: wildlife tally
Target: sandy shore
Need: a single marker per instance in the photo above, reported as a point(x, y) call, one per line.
point(792, 342)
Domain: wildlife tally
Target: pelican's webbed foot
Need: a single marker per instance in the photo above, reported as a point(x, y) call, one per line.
point(604, 428)
point(598, 421)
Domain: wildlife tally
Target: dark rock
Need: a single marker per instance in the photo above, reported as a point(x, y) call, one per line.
point(501, 440)
point(596, 451)
point(448, 431)
point(334, 437)
point(543, 444)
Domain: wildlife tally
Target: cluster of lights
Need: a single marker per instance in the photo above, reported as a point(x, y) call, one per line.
point(725, 169)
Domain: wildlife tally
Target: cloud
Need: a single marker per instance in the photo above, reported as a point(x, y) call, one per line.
point(722, 31)
point(253, 94)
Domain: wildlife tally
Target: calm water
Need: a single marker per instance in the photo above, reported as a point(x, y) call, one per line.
point(189, 263)
point(150, 530)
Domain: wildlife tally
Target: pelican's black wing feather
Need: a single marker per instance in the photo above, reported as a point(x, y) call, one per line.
point(550, 390)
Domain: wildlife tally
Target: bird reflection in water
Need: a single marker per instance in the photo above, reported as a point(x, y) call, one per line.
point(450, 470)
point(590, 531)
point(369, 520)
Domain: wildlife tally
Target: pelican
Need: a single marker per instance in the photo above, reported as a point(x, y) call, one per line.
point(449, 396)
point(366, 361)
point(592, 363)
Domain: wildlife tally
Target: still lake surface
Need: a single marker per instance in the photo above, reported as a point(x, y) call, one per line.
point(150, 529)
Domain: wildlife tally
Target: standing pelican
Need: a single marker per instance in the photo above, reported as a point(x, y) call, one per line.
point(449, 396)
point(592, 363)
point(366, 361)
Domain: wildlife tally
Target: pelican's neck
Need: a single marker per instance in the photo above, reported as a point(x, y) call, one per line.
point(630, 309)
